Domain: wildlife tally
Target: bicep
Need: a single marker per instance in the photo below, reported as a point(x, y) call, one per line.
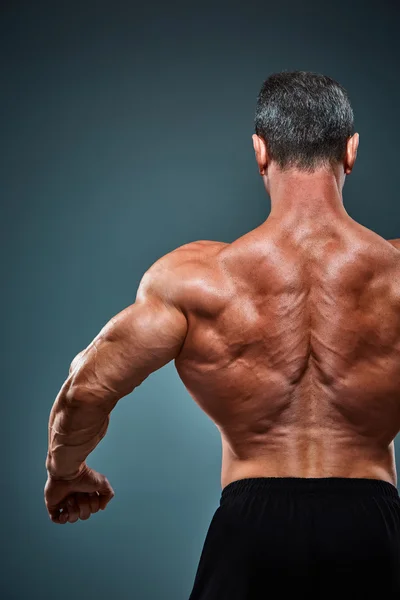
point(139, 340)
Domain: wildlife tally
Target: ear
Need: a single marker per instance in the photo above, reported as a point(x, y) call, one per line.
point(351, 153)
point(261, 153)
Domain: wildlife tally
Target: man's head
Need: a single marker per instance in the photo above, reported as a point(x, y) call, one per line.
point(304, 121)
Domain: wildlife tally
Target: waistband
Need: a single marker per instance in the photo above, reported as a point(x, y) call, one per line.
point(343, 485)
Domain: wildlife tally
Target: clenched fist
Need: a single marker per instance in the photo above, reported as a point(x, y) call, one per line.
point(73, 499)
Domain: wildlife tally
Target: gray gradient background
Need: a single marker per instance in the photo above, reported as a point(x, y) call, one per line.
point(126, 132)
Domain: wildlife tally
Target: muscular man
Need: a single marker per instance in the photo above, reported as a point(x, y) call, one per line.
point(289, 339)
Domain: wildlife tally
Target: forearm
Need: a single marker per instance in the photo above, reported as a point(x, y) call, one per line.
point(76, 426)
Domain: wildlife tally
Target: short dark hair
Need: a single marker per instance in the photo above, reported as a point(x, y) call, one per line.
point(304, 118)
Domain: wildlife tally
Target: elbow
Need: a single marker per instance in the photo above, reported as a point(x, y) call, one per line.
point(74, 393)
point(80, 391)
point(76, 361)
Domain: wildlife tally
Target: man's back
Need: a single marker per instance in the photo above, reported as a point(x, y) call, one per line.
point(293, 350)
point(289, 339)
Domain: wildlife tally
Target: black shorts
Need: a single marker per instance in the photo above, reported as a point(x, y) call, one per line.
point(278, 538)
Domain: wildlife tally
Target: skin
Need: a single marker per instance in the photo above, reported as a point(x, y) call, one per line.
point(288, 338)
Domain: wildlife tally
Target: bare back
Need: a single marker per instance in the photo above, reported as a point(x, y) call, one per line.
point(293, 350)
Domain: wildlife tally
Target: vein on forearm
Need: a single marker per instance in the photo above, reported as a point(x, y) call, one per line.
point(75, 429)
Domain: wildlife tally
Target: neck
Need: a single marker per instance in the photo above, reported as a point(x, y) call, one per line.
point(297, 196)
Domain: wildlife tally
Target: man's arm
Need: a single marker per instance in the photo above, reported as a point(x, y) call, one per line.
point(139, 340)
